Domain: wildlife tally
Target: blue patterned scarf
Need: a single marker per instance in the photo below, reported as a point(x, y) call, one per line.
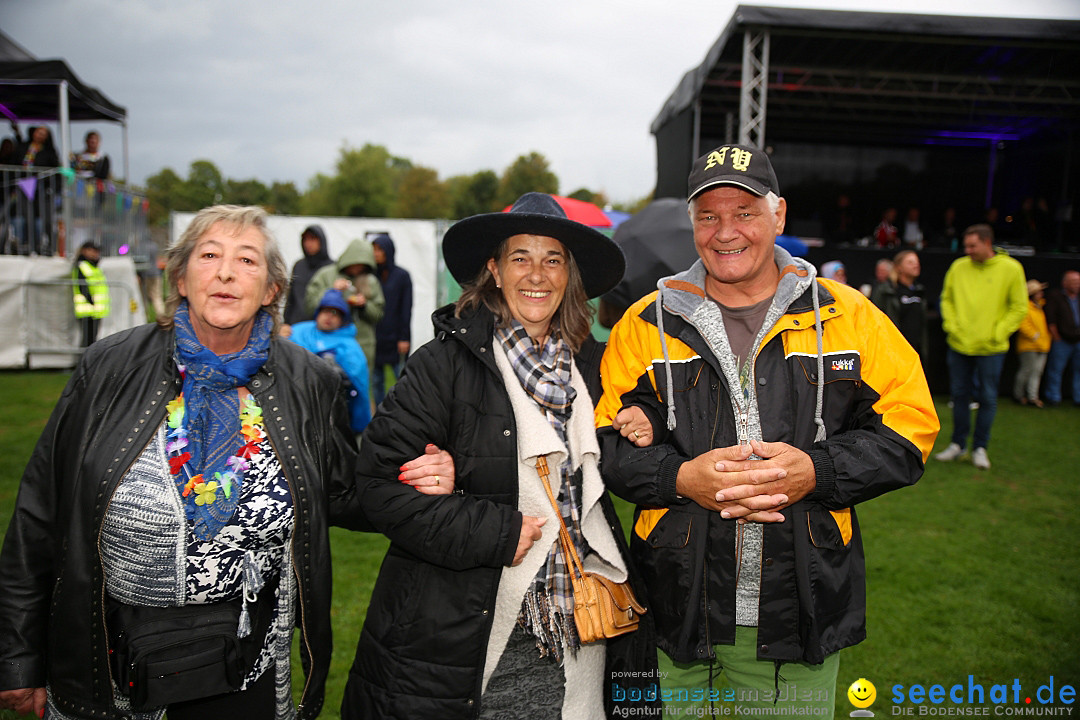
point(212, 409)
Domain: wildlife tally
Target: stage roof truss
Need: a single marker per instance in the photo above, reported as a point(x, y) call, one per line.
point(882, 78)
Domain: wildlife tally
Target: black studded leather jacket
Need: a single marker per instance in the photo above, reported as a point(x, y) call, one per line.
point(52, 627)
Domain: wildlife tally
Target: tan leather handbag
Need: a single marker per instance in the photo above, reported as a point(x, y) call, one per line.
point(603, 608)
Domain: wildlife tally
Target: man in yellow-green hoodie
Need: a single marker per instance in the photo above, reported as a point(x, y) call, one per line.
point(983, 302)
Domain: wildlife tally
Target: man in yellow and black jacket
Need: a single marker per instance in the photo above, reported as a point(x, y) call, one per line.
point(772, 402)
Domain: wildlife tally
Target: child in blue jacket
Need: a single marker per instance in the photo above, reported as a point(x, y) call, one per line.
point(331, 336)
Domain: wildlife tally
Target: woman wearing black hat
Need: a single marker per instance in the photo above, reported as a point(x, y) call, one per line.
point(472, 614)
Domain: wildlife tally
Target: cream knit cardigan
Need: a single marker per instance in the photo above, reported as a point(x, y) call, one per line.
point(584, 671)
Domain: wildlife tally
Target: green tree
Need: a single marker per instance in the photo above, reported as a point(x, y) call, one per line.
point(283, 199)
point(246, 192)
point(474, 194)
point(585, 195)
point(364, 185)
point(162, 190)
point(529, 173)
point(318, 198)
point(203, 187)
point(421, 195)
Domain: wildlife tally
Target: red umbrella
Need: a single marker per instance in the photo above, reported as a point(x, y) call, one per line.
point(580, 211)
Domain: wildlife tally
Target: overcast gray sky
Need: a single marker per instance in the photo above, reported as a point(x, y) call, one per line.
point(272, 90)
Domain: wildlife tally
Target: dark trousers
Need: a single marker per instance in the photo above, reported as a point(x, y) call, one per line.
point(378, 378)
point(89, 328)
point(974, 377)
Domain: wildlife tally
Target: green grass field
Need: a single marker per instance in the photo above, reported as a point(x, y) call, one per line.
point(970, 573)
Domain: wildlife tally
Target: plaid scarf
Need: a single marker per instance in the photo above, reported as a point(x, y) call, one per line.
point(547, 612)
point(212, 409)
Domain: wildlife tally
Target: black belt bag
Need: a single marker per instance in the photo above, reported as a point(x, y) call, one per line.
point(163, 655)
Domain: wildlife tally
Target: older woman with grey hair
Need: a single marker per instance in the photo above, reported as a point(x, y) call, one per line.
point(171, 527)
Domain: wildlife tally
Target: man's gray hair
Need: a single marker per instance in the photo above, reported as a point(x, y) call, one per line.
point(772, 198)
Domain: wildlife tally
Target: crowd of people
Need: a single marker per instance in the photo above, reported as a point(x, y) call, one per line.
point(171, 531)
point(984, 300)
point(1032, 224)
point(31, 193)
point(355, 312)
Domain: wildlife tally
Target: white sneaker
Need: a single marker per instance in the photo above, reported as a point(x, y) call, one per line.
point(973, 405)
point(950, 453)
point(979, 459)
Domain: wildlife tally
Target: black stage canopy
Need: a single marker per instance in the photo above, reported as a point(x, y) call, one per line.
point(878, 79)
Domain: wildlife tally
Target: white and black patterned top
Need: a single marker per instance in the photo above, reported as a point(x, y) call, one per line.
point(151, 557)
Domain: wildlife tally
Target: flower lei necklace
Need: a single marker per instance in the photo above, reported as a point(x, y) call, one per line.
point(196, 489)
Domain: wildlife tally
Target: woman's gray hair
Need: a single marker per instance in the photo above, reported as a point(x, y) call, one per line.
point(239, 218)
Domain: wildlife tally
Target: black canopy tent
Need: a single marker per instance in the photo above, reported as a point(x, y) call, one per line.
point(29, 90)
point(777, 77)
point(39, 90)
point(33, 90)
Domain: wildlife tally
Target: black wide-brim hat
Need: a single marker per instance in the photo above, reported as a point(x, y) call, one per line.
point(470, 243)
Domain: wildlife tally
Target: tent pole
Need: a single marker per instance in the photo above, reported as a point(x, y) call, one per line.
point(127, 173)
point(65, 161)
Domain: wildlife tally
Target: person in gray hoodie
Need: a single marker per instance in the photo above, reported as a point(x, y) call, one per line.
point(353, 276)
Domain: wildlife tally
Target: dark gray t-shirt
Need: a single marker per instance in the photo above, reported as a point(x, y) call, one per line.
point(742, 325)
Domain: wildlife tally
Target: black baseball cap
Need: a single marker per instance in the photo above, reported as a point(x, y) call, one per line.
point(740, 165)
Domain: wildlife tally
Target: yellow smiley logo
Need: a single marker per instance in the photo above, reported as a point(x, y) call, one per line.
point(862, 693)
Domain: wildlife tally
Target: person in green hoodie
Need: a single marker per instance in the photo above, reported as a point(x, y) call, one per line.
point(983, 302)
point(353, 276)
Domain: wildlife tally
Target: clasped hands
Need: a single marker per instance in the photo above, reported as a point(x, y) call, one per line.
point(741, 487)
point(731, 480)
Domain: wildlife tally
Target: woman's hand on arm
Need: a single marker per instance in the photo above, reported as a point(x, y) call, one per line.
point(24, 700)
point(633, 424)
point(530, 533)
point(432, 473)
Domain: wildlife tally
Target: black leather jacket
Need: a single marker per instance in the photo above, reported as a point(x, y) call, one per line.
point(52, 625)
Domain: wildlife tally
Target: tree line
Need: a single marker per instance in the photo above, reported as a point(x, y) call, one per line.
point(367, 182)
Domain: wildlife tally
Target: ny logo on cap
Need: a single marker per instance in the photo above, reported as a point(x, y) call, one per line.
point(740, 159)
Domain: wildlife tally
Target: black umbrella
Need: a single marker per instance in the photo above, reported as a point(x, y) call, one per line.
point(657, 241)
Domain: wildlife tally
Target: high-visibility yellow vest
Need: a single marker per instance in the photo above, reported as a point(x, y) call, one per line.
point(97, 305)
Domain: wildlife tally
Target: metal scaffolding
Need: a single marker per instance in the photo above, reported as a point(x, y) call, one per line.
point(754, 93)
